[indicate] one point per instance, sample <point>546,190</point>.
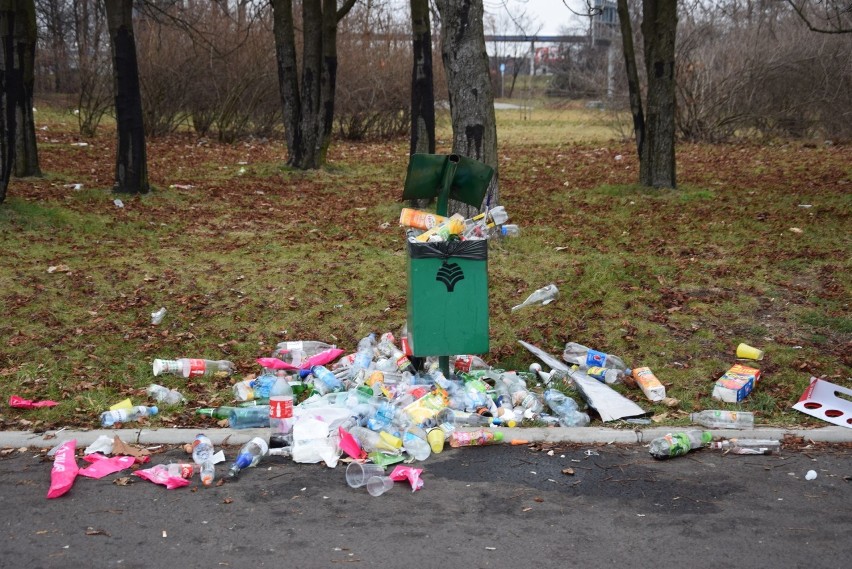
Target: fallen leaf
<point>537,499</point>
<point>228,500</point>
<point>93,531</point>
<point>123,481</point>
<point>119,447</point>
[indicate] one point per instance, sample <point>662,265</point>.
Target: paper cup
<point>357,473</point>
<point>749,353</point>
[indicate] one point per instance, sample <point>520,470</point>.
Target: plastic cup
<point>436,439</point>
<point>747,352</point>
<point>357,473</point>
<point>378,485</point>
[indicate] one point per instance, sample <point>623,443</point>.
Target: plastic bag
<point>159,474</point>
<point>103,466</point>
<point>403,472</point>
<point>64,470</point>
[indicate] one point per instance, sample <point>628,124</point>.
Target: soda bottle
<point>202,449</point>
<point>281,420</point>
<point>388,349</point>
<point>479,437</point>
<point>584,357</point>
<point>192,367</point>
<point>677,444</point>
<point>716,419</point>
<point>566,409</point>
<point>249,456</point>
<point>110,418</point>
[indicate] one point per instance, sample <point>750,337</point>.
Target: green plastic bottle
<point>677,444</point>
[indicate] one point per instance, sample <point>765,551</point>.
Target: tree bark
<point>657,158</point>
<point>26,150</point>
<point>470,91</point>
<point>422,84</point>
<point>633,86</point>
<point>131,170</point>
<point>311,77</point>
<point>288,79</point>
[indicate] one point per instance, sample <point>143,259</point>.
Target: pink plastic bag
<point>103,466</point>
<point>320,359</point>
<point>403,472</point>
<point>350,444</point>
<point>64,469</point>
<point>159,474</point>
<point>21,403</point>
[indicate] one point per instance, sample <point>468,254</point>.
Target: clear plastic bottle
<point>294,353</point>
<point>363,359</point>
<point>249,455</point>
<point>416,445</point>
<point>202,449</point>
<point>110,418</point>
<point>193,367</point>
<point>508,230</point>
<point>249,417</point>
<point>479,437</point>
<point>584,357</point>
<point>748,446</point>
<point>542,296</point>
<point>165,395</point>
<point>372,441</point>
<point>566,409</point>
<point>400,361</point>
<point>206,471</point>
<point>330,382</point>
<point>521,396</point>
<point>677,444</point>
<point>717,419</point>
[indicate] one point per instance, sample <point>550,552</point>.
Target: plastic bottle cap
<point>498,436</point>
<point>153,410</point>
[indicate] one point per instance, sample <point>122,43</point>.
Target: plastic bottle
<point>281,420</point>
<point>110,418</point>
<point>363,359</point>
<point>249,456</point>
<point>330,382</point>
<point>496,215</point>
<point>416,445</point>
<point>748,446</point>
<point>192,367</point>
<point>372,441</point>
<point>216,412</point>
<point>508,230</point>
<point>542,296</point>
<point>478,437</point>
<point>387,348</point>
<point>584,357</point>
<point>419,219</point>
<point>202,449</point>
<point>677,444</point>
<point>165,395</point>
<point>467,363</point>
<point>716,419</point>
<point>566,409</point>
<point>249,417</point>
<point>206,471</point>
<point>441,232</point>
<point>157,316</point>
<point>294,353</point>
<point>606,375</point>
<point>521,396</point>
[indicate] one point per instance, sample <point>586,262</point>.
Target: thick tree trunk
<point>422,85</point>
<point>10,92</point>
<point>26,150</point>
<point>131,170</point>
<point>288,79</point>
<point>311,77</point>
<point>471,95</point>
<point>657,158</point>
<point>633,86</point>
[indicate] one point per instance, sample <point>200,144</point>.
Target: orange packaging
<point>650,385</point>
<point>419,219</point>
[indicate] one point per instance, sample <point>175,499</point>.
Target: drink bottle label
<point>297,345</point>
<point>595,358</point>
<point>597,372</point>
<point>281,407</point>
<point>185,470</point>
<point>405,345</point>
<point>463,363</point>
<point>402,362</point>
<point>196,367</point>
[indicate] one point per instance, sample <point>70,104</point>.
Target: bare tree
<point>825,16</point>
<point>26,151</point>
<point>131,167</point>
<point>422,86</point>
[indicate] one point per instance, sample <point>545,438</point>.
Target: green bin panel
<point>447,301</point>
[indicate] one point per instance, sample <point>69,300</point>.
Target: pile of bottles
<point>425,227</point>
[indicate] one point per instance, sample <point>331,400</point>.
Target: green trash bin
<point>448,298</point>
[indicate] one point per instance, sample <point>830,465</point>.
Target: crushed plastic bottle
<point>295,352</point>
<point>542,296</point>
<point>718,419</point>
<point>202,449</point>
<point>678,444</point>
<point>193,367</point>
<point>566,409</point>
<point>748,446</point>
<point>157,316</point>
<point>165,395</point>
<point>110,418</point>
<point>249,455</point>
<point>585,357</point>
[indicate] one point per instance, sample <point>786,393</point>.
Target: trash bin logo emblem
<point>450,274</point>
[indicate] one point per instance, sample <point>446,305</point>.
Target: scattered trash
<point>102,445</point>
<point>159,474</point>
<point>111,418</point>
<point>21,403</point>
<point>811,475</point>
<point>402,473</point>
<point>717,419</point>
<point>378,485</point>
<point>747,446</point>
<point>193,367</point>
<point>157,317</point>
<point>747,352</point>
<point>248,456</point>
<point>735,384</point>
<point>478,437</point>
<point>164,395</point>
<point>118,203</point>
<point>101,465</point>
<point>827,401</point>
<point>64,470</point>
<point>542,296</point>
<point>649,384</point>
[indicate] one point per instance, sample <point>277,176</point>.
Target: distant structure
<point>604,24</point>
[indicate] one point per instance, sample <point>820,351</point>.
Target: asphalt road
<point>503,506</point>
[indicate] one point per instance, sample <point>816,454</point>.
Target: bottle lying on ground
<point>193,367</point>
<point>110,418</point>
<point>677,444</point>
<point>748,446</point>
<point>717,419</point>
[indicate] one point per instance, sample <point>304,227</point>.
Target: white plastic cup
<point>378,485</point>
<point>357,473</point>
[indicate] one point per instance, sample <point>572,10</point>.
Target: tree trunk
<point>471,95</point>
<point>131,170</point>
<point>26,150</point>
<point>288,80</point>
<point>633,87</point>
<point>657,158</point>
<point>422,85</point>
<point>311,77</point>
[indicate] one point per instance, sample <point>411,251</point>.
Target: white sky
<point>552,15</point>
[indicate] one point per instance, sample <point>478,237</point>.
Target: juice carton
<point>735,384</point>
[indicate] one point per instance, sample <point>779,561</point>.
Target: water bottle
<point>748,446</point>
<point>202,449</point>
<point>677,444</point>
<point>416,446</point>
<point>363,359</point>
<point>249,456</point>
<point>508,230</point>
<point>330,382</point>
<point>716,419</point>
<point>584,357</point>
<point>165,395</point>
<point>372,441</point>
<point>388,349</point>
<point>191,367</point>
<point>206,471</point>
<point>294,353</point>
<point>249,417</point>
<point>479,437</point>
<point>110,418</point>
<point>566,409</point>
<point>521,396</point>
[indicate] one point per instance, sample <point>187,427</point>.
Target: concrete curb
<point>579,435</point>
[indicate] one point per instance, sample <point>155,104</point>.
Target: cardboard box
<point>650,385</point>
<point>736,384</point>
<point>828,402</point>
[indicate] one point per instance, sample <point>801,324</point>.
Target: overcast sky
<point>551,15</point>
